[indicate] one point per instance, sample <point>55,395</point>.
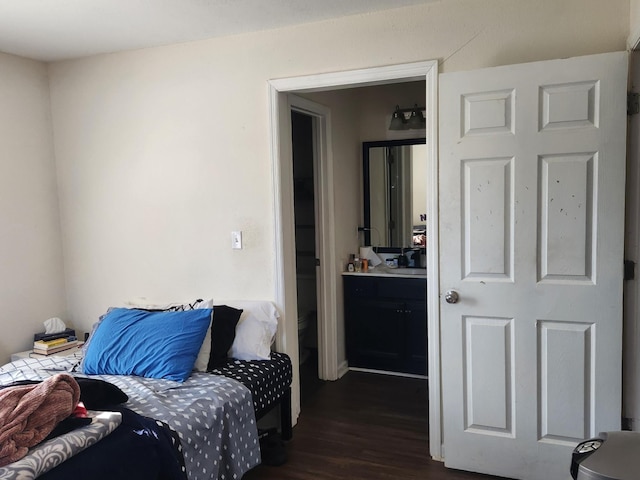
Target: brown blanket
<point>29,413</point>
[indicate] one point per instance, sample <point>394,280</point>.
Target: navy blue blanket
<point>141,448</point>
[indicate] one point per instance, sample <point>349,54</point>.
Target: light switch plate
<point>236,240</point>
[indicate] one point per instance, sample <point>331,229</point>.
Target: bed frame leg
<point>285,416</point>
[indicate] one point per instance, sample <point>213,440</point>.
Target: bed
<point>213,410</point>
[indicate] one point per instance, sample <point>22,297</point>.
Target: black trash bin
<point>610,456</point>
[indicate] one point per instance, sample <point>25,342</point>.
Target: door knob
<point>451,296</point>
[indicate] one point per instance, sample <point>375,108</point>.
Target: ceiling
<point>51,30</point>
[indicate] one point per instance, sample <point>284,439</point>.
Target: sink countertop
<point>381,271</point>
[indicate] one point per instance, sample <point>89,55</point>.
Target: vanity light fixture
<point>400,121</point>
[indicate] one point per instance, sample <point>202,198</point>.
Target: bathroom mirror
<point>395,182</point>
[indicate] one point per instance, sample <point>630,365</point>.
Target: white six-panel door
<point>532,163</point>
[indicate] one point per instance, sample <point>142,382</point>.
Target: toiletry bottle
<point>357,264</point>
<point>365,265</point>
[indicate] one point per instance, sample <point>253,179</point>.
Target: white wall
<point>32,280</point>
<point>376,104</point>
<point>162,152</point>
<point>368,113</point>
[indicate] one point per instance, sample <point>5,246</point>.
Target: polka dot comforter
<point>268,380</point>
<point>212,414</point>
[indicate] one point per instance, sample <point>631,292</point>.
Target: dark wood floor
<point>363,426</point>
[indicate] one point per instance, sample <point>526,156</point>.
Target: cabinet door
<point>416,348</point>
<point>376,334</point>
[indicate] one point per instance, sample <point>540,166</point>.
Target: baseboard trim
<point>385,372</point>
<point>343,368</point>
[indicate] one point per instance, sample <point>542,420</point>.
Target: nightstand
<point>30,354</point>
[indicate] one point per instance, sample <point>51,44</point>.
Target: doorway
<point>303,146</point>
<point>331,361</point>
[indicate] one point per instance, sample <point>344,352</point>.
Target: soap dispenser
<point>403,261</point>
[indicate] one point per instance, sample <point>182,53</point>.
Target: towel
<point>29,413</point>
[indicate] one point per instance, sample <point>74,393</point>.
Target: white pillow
<point>202,360</point>
<point>255,331</point>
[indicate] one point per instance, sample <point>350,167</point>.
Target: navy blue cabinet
<point>386,323</point>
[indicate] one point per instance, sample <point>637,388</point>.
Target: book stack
<point>67,332</point>
<point>49,347</point>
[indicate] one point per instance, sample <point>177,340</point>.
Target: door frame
<point>325,235</point>
<point>284,235</point>
<point>631,296</point>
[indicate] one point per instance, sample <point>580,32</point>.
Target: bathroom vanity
<point>385,308</point>
<point>386,320</point>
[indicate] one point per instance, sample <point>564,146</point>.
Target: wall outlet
<point>236,240</point>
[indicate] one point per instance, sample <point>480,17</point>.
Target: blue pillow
<point>147,344</point>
